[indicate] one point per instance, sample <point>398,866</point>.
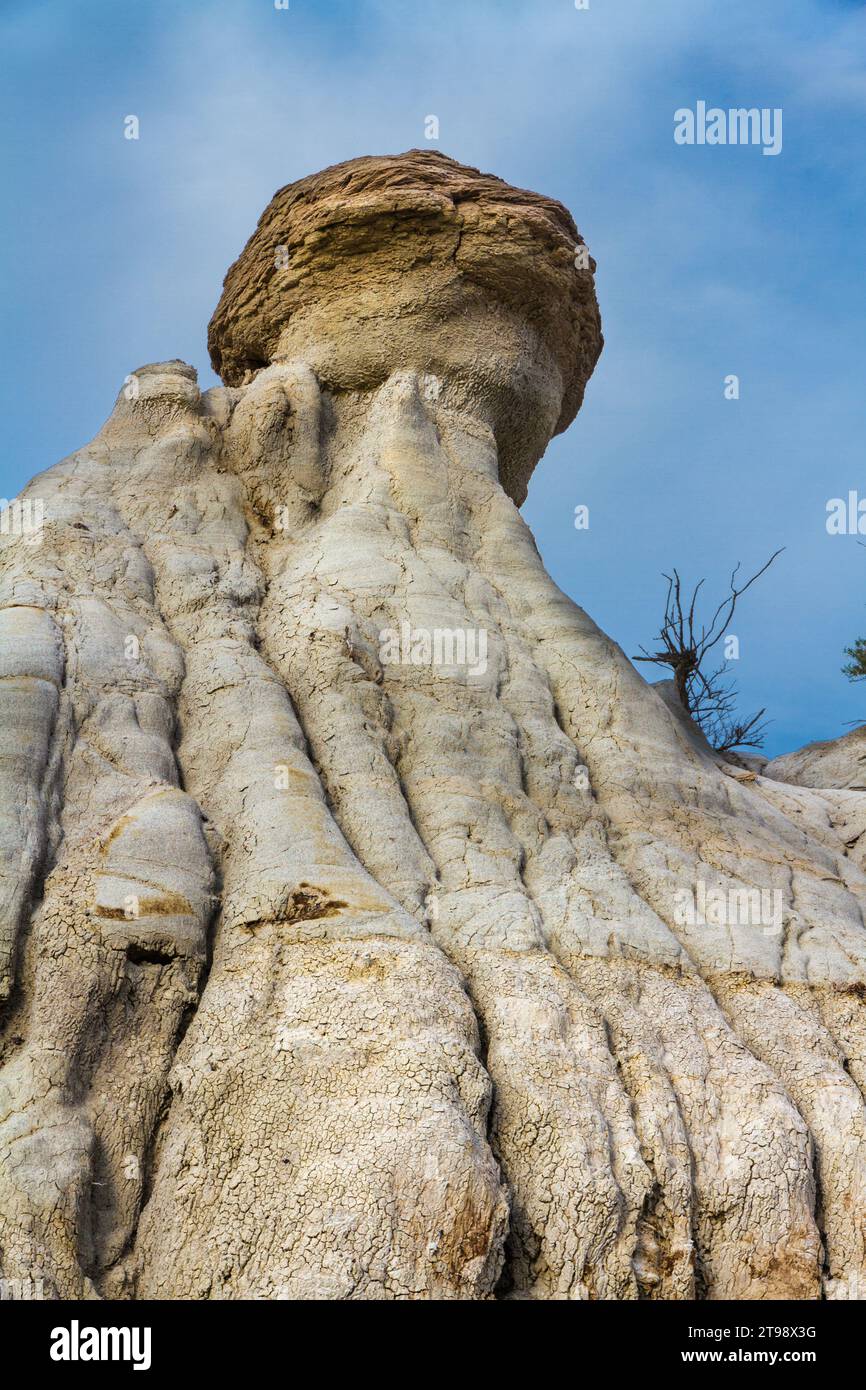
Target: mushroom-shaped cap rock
<point>416,261</point>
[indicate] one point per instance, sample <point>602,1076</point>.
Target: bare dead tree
<point>709,698</point>
<point>855,668</point>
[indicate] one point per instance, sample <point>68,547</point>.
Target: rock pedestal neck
<point>368,927</point>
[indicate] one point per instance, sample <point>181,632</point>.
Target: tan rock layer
<point>443,269</point>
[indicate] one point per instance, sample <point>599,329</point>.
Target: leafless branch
<point>684,647</point>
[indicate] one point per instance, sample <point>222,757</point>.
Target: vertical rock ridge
<point>128,879</point>
<point>322,950</point>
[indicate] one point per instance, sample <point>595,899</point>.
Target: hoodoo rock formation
<point>335,964</point>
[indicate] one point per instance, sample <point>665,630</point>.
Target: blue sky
<point>711,260</point>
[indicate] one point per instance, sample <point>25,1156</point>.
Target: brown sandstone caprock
<point>417,262</point>
<point>334,970</point>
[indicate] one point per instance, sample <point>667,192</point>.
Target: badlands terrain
<point>351,938</point>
